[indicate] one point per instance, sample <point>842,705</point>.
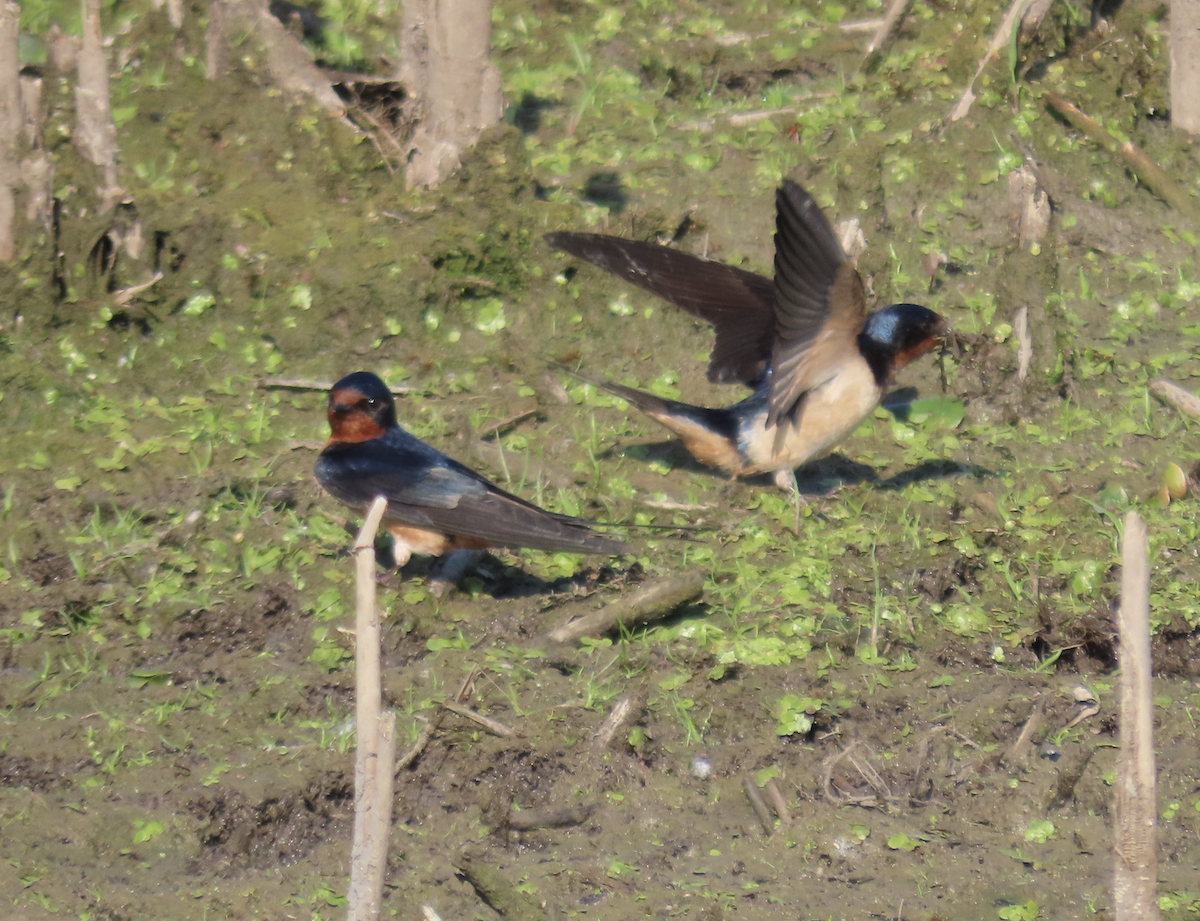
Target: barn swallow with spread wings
<point>818,363</point>
<point>435,504</point>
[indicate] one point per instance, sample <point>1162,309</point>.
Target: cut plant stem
<point>10,123</point>
<point>370,790</point>
<point>95,134</point>
<point>1135,881</point>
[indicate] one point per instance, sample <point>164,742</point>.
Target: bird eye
<point>371,401</point>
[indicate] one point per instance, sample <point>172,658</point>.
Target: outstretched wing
<point>819,303</point>
<point>738,304</point>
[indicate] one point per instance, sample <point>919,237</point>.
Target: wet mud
<point>920,684</point>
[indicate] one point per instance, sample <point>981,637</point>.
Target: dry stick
<point>885,35</point>
<point>1136,873</point>
<point>861,25</point>
<point>499,891</point>
<point>502,426</point>
<point>778,803</point>
<point>1183,400</point>
<point>366,883</point>
<point>1014,754</point>
<point>125,295</point>
<point>624,714</point>
<point>491,725</point>
<point>999,40</point>
<point>435,722</point>
<point>1149,172</point>
<point>531,819</point>
<point>758,804</point>
<point>651,601</point>
<point>287,383</point>
<point>419,746</point>
<point>1024,343</point>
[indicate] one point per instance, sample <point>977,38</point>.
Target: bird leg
<point>402,552</point>
<point>453,569</point>
<point>786,480</point>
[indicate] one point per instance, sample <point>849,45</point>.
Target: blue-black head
<point>899,334</point>
<point>360,408</point>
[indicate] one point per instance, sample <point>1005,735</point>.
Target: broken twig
<point>758,804</point>
<point>1146,170</point>
<point>529,819</point>
<point>885,35</point>
<point>624,714</point>
<point>646,604</point>
<point>501,893</point>
<point>491,725</point>
<point>1024,343</point>
<point>1183,400</point>
<point>125,295</point>
<point>283,383</point>
<point>435,721</point>
<point>1003,34</point>
<point>778,803</point>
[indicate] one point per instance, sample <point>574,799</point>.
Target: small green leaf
<point>141,677</point>
<point>1026,912</point>
<point>491,319</point>
<point>1039,831</point>
<point>793,715</point>
<point>902,842</point>
<point>701,163</point>
<point>198,303</point>
<point>933,412</point>
<point>146,830</point>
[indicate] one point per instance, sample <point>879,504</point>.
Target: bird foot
<point>454,568</point>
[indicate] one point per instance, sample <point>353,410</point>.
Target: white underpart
<point>829,414</point>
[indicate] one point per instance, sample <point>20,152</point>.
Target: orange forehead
<point>346,396</point>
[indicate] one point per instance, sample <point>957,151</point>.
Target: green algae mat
<point>922,680</point>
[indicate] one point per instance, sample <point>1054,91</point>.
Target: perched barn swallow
<point>435,504</point>
<point>817,362</point>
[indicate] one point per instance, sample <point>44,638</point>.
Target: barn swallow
<point>818,363</point>
<point>435,504</point>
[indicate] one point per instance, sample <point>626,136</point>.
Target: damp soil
<point>925,673</point>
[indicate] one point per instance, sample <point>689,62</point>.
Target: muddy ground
<point>926,673</point>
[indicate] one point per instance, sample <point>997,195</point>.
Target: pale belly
<point>830,413</point>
